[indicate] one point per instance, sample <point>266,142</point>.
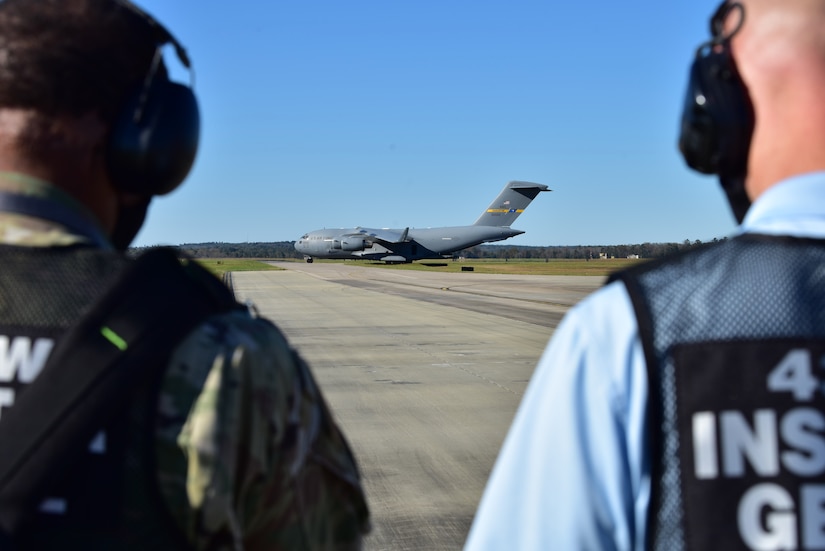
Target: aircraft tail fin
<point>511,202</point>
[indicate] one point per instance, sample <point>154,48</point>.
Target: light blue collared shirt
<point>574,471</point>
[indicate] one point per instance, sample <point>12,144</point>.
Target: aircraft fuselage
<point>424,243</point>
<point>395,245</point>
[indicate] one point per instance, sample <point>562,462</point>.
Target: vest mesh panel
<point>747,288</point>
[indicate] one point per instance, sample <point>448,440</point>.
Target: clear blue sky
<point>395,113</point>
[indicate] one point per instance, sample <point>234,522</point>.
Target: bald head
<point>780,54</point>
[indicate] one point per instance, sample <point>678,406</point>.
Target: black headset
<point>154,138</point>
<point>718,119</point>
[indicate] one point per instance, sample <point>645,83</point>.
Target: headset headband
<point>163,35</point>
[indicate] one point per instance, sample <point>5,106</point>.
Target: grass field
<point>519,267</point>
<point>483,266</point>
<point>220,266</point>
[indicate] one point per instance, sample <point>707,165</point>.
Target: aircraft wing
<point>384,236</point>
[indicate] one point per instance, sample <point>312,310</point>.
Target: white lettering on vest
<point>704,445</point>
<point>98,443</point>
<point>20,357</point>
<point>768,514</point>
<point>801,429</point>
<point>794,374</point>
<point>779,529</point>
<point>54,506</point>
<point>777,453</point>
<point>813,516</point>
<point>759,446</point>
<point>6,399</point>
<point>767,518</point>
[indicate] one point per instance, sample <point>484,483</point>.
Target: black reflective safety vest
<point>734,340</point>
<point>110,499</point>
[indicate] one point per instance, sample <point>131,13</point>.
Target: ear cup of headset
<point>718,119</point>
<point>155,138</point>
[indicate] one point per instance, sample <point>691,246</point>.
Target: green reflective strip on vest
<point>114,338</point>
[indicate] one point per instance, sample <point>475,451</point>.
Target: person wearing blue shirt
<point>681,406</point>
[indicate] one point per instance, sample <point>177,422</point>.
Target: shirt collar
<point>795,206</point>
<point>46,215</point>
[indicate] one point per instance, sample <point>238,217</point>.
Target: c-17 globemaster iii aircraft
<point>396,246</point>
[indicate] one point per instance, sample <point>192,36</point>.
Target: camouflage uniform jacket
<point>248,455</point>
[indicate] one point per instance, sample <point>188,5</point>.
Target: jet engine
<point>351,244</point>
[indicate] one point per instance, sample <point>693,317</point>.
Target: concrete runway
<point>423,371</point>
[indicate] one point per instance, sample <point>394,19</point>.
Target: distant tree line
<point>285,249</point>
<point>275,250</point>
<point>644,250</point>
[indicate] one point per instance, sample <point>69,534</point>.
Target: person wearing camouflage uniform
<point>242,451</point>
